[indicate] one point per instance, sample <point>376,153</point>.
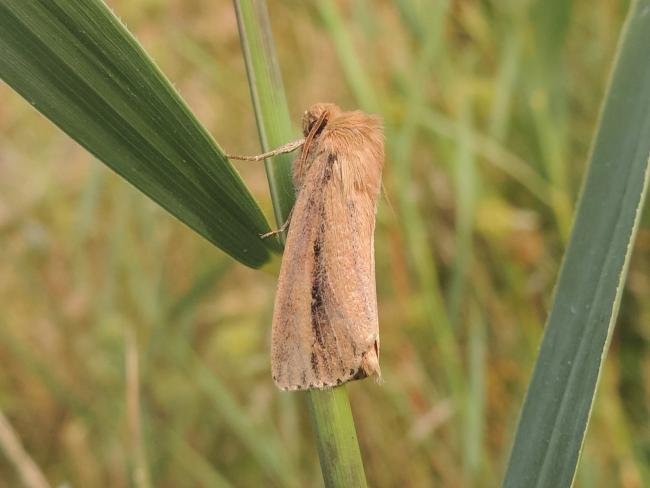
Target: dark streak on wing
<point>327,172</point>
<point>319,317</point>
<point>318,313</point>
<point>314,362</point>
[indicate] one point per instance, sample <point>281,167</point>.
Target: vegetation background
<point>134,353</point>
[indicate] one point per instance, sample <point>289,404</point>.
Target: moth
<point>325,328</point>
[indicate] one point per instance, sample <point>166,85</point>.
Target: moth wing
<point>325,325</point>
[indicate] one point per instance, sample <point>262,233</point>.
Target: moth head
<point>316,112</point>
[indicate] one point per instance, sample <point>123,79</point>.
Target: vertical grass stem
<point>330,410</point>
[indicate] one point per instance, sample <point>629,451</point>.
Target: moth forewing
<point>325,323</point>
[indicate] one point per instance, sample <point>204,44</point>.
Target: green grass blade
<point>467,183</point>
<point>548,100</point>
<point>507,75</point>
<point>475,401</point>
<point>263,446</point>
<point>559,400</point>
<point>79,66</point>
<point>351,65</point>
<point>551,20</point>
<point>195,466</point>
<point>330,410</point>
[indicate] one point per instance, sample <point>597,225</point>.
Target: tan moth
<point>325,325</point>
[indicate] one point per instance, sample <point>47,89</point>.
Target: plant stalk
<point>331,415</point>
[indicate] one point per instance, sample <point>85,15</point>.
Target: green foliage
<point>559,401</point>
<point>488,108</point>
<point>76,63</point>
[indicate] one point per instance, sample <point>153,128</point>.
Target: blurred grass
<point>553,421</point>
<point>486,153</point>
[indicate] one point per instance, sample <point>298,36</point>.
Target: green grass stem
<point>331,415</point>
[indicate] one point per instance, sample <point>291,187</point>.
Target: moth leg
<point>280,230</point>
<point>286,148</point>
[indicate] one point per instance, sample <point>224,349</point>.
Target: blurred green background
<point>133,353</point>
